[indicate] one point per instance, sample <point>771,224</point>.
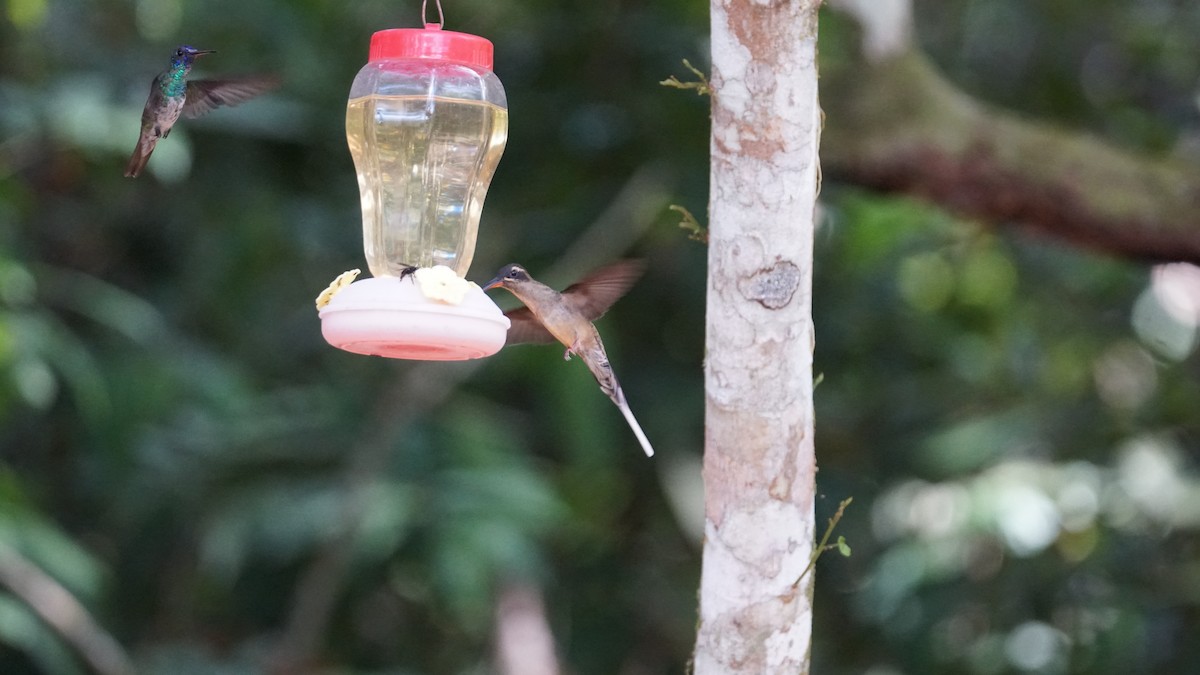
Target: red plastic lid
<point>431,43</point>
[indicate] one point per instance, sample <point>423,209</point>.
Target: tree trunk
<point>759,465</point>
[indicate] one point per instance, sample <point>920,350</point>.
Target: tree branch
<point>897,125</point>
<point>62,612</point>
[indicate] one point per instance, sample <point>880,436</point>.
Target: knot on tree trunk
<point>772,287</point>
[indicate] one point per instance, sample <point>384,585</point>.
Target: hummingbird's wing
<point>595,293</point>
<point>589,297</point>
<point>526,328</point>
<point>204,95</point>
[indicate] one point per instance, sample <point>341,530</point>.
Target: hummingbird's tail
<point>597,362</point>
<point>141,155</point>
<point>623,406</point>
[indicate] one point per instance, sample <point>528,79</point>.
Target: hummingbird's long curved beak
<point>202,52</point>
<point>497,281</point>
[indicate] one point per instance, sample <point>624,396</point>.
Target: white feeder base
<point>390,317</point>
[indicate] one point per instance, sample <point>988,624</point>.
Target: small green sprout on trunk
<point>700,84</point>
<point>696,231</point>
<point>841,545</point>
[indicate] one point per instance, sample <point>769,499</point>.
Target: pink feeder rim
<point>390,317</point>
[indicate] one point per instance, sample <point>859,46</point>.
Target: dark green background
<point>1015,419</point>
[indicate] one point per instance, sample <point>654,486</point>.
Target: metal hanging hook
<point>441,17</point>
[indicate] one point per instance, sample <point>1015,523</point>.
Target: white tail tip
<point>623,406</point>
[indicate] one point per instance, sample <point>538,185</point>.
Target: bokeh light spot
<point>988,279</point>
<point>35,382</point>
<point>1125,376</point>
<point>1166,315</point>
<point>926,281</point>
<point>26,14</point>
<point>158,19</point>
<point>1149,473</point>
<point>1159,329</point>
<point>1034,646</point>
<point>1079,497</point>
<point>1177,288</point>
<point>1027,519</point>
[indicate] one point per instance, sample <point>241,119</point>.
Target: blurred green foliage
<point>1015,420</point>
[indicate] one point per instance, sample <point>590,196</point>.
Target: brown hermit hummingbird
<point>567,317</point>
<point>171,94</point>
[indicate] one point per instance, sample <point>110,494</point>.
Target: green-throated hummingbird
<point>171,94</point>
<point>567,317</point>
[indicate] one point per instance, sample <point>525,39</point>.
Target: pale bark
<point>524,642</point>
<point>759,465</point>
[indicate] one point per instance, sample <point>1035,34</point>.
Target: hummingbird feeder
<point>426,123</point>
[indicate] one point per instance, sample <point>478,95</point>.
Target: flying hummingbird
<point>567,317</point>
<point>171,94</point>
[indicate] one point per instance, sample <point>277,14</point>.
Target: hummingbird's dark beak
<point>498,281</point>
<point>202,52</point>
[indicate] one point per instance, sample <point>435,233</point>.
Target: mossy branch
<point>900,125</point>
<point>700,84</point>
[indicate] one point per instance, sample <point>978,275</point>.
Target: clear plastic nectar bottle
<point>426,123</point>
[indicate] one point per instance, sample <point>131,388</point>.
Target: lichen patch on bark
<point>774,286</point>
